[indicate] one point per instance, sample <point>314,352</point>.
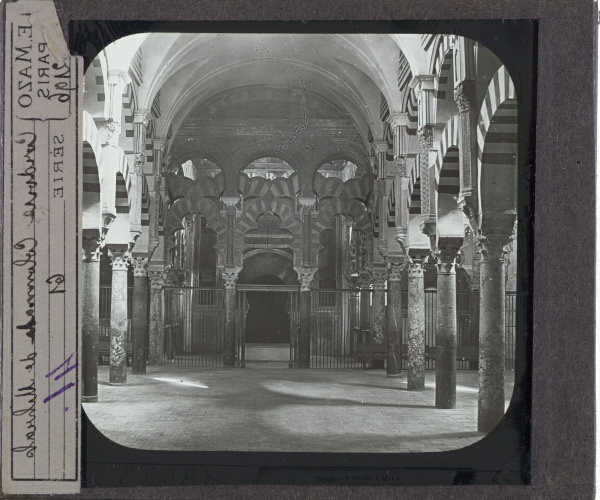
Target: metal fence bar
<point>194,326</point>
<point>510,318</point>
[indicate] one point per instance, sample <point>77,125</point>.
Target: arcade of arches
<point>245,187</point>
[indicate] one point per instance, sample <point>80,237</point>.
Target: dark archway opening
<point>267,320</point>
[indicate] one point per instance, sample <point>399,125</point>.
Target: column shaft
<point>304,340</point>
<point>230,276</point>
<point>90,320</point>
<point>416,327</point>
<point>491,336</point>
<point>139,323</point>
<point>118,323</point>
<point>394,323</point>
<point>229,343</point>
<point>378,308</point>
<point>156,335</point>
<point>445,339</point>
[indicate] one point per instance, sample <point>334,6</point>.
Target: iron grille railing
<point>194,326</point>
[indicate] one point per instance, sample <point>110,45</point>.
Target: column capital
<point>159,144</point>
<point>402,166</point>
<point>308,202</point>
<point>422,81</point>
<point>380,146</point>
<point>117,77</point>
<point>92,245</point>
<point>119,256</point>
<point>397,119</point>
<point>465,95</point>
<point>138,163</point>
<point>395,269</point>
<point>113,132</point>
<point>492,246</point>
<point>380,276</point>
<point>230,276</point>
<point>140,266</point>
<point>447,252</point>
<point>415,268</point>
<point>141,116</point>
<point>364,279</point>
<point>157,279</point>
<point>305,277</point>
<point>426,133</point>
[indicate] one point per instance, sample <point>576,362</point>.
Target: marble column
<point>90,321</point>
<point>378,309</point>
<point>394,322</point>
<point>305,276</point>
<point>445,339</point>
<point>139,318</point>
<point>364,283</point>
<point>475,292</point>
<point>156,334</point>
<point>416,325</point>
<point>230,276</point>
<point>491,331</point>
<point>118,315</point>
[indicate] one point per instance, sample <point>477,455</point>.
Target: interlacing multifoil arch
<point>407,141</point>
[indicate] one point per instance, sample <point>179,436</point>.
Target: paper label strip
<point>41,334</point>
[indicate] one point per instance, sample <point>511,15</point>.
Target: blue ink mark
<point>68,368</point>
<point>60,391</point>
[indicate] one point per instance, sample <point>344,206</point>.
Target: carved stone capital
<point>230,276</point>
<point>380,147</point>
<point>141,116</point>
<point>159,144</point>
<point>157,182</point>
<point>364,279</point>
<point>92,245</point>
<point>140,266</point>
<point>415,268</point>
<point>402,166</point>
<point>157,279</point>
<point>113,132</point>
<point>465,95</point>
<point>380,276</point>
<point>305,277</point>
<point>395,268</point>
<point>492,246</point>
<point>426,134</point>
<point>138,163</point>
<point>119,257</point>
<point>397,119</point>
<point>447,252</point>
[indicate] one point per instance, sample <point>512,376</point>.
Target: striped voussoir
<point>447,167</point>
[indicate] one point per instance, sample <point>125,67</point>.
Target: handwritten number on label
<point>56,281</point>
<point>67,368</point>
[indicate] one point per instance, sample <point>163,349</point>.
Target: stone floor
<point>268,407</point>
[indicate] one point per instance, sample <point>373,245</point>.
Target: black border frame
<point>501,457</point>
